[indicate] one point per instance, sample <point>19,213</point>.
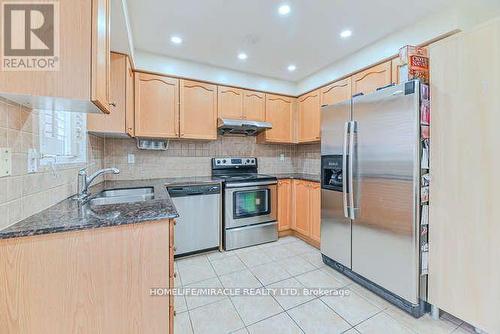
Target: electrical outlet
<point>32,160</point>
<point>5,161</point>
<point>131,158</point>
<point>282,157</point>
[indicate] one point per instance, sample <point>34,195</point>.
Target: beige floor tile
<point>228,265</point>
<point>338,276</point>
<point>299,247</point>
<point>278,324</point>
<point>373,298</point>
<point>241,279</point>
<point>383,324</point>
<point>352,307</point>
<point>254,257</point>
<point>216,255</point>
<point>278,252</point>
<point>465,328</point>
<point>195,269</point>
<point>182,324</point>
<point>202,298</point>
<point>315,317</point>
<point>314,258</point>
<point>296,265</point>
<point>318,279</point>
<point>216,318</point>
<point>255,308</point>
<point>351,331</point>
<point>423,325</point>
<point>270,273</point>
<point>180,304</point>
<point>241,331</point>
<point>287,300</point>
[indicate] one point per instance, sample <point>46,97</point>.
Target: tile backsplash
<point>193,158</point>
<point>23,194</point>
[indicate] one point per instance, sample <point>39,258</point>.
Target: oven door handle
<point>250,184</point>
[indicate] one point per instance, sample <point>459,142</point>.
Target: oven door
<point>250,205</point>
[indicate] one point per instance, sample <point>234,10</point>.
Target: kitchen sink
<point>120,196</point>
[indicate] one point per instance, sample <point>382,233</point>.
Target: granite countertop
<point>69,215</point>
<point>299,176</point>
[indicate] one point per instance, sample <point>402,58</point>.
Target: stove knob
<point>218,162</point>
<point>224,161</point>
<point>248,161</point>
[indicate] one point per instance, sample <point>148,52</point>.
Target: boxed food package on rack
<point>417,61</point>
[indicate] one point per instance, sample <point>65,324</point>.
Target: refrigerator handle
<point>345,172</point>
<point>350,172</point>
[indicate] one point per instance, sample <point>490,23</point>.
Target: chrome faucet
<point>85,181</point>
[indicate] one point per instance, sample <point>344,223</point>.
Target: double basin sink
<point>122,196</point>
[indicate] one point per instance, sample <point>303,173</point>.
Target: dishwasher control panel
<point>193,190</point>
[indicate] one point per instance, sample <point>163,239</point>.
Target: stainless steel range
<point>250,202</point>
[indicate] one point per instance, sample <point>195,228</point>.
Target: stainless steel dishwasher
<point>198,227</point>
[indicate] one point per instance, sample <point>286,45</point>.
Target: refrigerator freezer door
<point>335,227</point>
<point>385,229</point>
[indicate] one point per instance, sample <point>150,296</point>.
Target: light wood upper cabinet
<point>230,102</point>
<point>369,80</point>
<point>336,92</point>
<point>156,106</point>
<point>301,220</point>
<point>129,100</point>
<point>81,83</point>
<point>315,213</point>
<point>279,112</point>
<point>101,54</point>
<point>284,204</point>
<point>254,105</point>
<point>198,110</point>
<point>115,123</point>
<point>309,117</point>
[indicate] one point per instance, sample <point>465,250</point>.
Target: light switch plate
<point>5,161</point>
<point>32,160</point>
<point>282,157</point>
<point>131,158</point>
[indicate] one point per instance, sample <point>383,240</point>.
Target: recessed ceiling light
<point>284,10</point>
<point>176,39</point>
<point>291,68</point>
<point>346,33</point>
<point>242,56</point>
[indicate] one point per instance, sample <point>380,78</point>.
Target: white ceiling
<point>214,31</point>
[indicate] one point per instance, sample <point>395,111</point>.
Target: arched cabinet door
<point>198,110</point>
<point>156,106</point>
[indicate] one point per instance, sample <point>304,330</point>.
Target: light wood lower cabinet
<point>198,110</point>
<point>284,204</point>
<point>156,106</point>
<point>309,117</point>
<point>119,121</point>
<point>369,80</point>
<point>81,81</point>
<point>299,208</point>
<point>89,281</point>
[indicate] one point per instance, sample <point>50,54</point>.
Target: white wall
<point>462,15</point>
<point>184,68</point>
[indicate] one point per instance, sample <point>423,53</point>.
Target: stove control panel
<point>234,162</point>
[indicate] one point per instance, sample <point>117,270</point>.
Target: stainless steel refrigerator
<point>370,199</point>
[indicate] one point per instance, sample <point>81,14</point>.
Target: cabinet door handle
<point>113,104</point>
<point>175,274</point>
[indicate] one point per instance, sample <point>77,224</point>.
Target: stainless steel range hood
<point>241,127</point>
